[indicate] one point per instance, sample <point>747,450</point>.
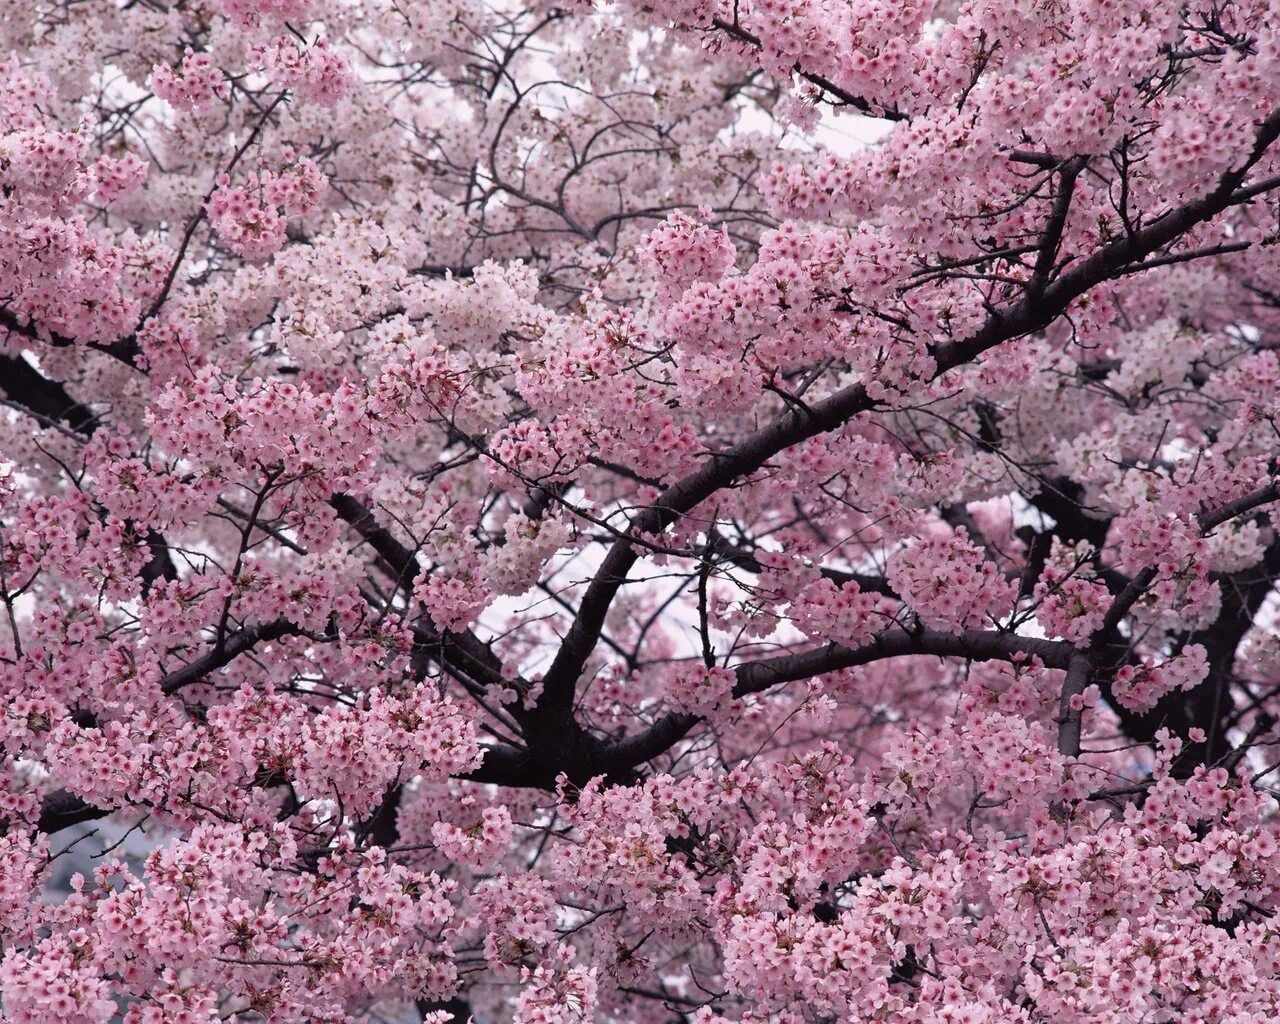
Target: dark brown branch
<point>1069,717</point>
<point>859,103</point>
<point>49,403</point>
<point>48,400</point>
<point>758,676</point>
<point>461,651</point>
<point>721,547</point>
<point>972,645</point>
<point>225,653</point>
<point>1245,503</point>
<point>124,350</point>
<point>1033,313</point>
<point>61,809</point>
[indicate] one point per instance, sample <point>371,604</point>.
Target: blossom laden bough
<point>507,513</point>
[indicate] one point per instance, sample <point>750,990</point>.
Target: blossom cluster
<point>544,512</point>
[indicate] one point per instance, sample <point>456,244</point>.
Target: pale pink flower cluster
<point>198,913</point>
<point>1073,609</point>
<point>949,584</point>
<point>479,845</point>
<point>248,13</point>
<point>520,913</point>
<point>684,250</point>
<point>355,753</point>
<point>117,177</point>
<point>51,986</point>
<point>244,222</point>
<point>213,418</point>
<point>1070,604</point>
<point>841,614</point>
<point>21,877</point>
<point>317,72</point>
<point>397,489</point>
<point>47,163</point>
<point>698,689</point>
<point>1140,687</point>
<point>622,855</point>
<point>197,85</point>
<point>529,544</point>
<point>556,996</point>
<point>251,218</point>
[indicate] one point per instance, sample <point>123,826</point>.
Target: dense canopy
<point>710,511</point>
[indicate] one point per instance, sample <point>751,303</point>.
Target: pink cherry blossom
<point>197,85</point>
<point>756,512</point>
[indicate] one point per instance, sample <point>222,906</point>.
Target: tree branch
<point>1034,312</point>
<point>758,676</point>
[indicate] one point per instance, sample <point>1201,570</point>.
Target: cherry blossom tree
<point>669,510</point>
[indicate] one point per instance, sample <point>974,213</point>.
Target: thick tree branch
<point>859,103</point>
<point>758,676</point>
<point>238,643</point>
<point>1036,311</point>
<point>48,400</point>
<point>461,651</point>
